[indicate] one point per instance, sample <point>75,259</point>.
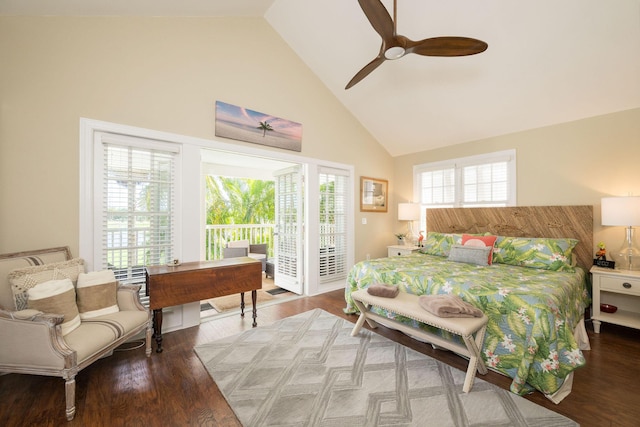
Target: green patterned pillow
<point>440,243</point>
<point>535,252</point>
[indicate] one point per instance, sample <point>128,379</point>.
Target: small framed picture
<point>373,194</point>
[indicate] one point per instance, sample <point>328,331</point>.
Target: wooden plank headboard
<point>523,221</point>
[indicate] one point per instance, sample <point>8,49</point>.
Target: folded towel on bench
<point>385,291</point>
<point>448,306</point>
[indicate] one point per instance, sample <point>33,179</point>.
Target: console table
<point>196,281</point>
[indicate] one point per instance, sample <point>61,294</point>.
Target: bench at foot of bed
<point>471,329</point>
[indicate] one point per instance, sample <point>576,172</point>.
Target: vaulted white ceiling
<point>548,61</point>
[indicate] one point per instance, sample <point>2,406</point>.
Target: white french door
<point>289,229</point>
<point>333,210</point>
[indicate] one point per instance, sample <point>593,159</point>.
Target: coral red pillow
<point>470,240</point>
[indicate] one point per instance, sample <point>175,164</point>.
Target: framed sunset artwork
<point>242,124</point>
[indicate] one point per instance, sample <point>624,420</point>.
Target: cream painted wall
<point>575,163</point>
<point>157,73</point>
<point>166,74</point>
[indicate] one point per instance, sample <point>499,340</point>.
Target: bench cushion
<point>407,305</point>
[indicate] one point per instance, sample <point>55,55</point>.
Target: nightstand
<point>620,288</point>
<point>399,250</point>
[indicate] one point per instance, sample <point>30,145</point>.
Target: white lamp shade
<point>621,211</point>
<point>408,211</point>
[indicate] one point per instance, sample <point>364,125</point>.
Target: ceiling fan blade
<point>366,70</point>
<point>446,46</point>
<point>379,17</point>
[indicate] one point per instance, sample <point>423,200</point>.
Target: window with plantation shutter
<point>138,222</point>
<point>483,180</point>
<point>333,224</point>
<point>485,184</point>
<point>437,187</point>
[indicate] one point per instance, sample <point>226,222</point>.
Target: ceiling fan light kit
<point>395,46</point>
<point>395,52</point>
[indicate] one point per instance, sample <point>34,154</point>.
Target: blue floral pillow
<point>535,252</point>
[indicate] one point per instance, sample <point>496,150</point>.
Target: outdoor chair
<point>240,248</point>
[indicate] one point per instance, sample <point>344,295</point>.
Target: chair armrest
<point>129,298</point>
<point>32,340</point>
<point>28,314</point>
<point>260,248</point>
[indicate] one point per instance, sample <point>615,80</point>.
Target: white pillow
<point>97,294</point>
<point>238,244</point>
<point>56,297</point>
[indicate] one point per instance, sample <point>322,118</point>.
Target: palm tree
<point>239,201</point>
<point>265,126</point>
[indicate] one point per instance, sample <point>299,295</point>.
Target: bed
<point>533,288</point>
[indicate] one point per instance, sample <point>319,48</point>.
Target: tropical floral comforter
<point>532,312</point>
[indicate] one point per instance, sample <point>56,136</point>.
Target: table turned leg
<point>157,328</point>
<point>254,298</point>
<point>242,304</point>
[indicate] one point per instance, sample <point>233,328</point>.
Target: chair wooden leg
<point>70,395</point>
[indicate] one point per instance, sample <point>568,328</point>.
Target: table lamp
<point>624,211</point>
<point>409,212</point>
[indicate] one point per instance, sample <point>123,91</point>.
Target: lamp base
<point>410,236</point>
<point>628,257</point>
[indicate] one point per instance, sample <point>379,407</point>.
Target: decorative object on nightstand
<point>616,297</point>
<point>401,237</point>
<point>399,250</point>
<point>608,308</point>
<point>409,212</point>
<point>601,257</point>
<point>624,211</point>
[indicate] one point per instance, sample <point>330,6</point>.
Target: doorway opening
<point>244,215</point>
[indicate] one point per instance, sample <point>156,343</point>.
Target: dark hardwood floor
<point>173,388</point>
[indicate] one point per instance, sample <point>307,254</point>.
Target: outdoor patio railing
<point>219,235</point>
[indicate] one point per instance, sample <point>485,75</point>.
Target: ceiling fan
<point>395,46</point>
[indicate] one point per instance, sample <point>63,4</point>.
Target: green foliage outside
<point>239,201</point>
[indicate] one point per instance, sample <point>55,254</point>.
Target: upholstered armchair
<point>241,248</point>
<point>92,316</point>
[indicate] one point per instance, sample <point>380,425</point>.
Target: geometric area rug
<point>307,370</point>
